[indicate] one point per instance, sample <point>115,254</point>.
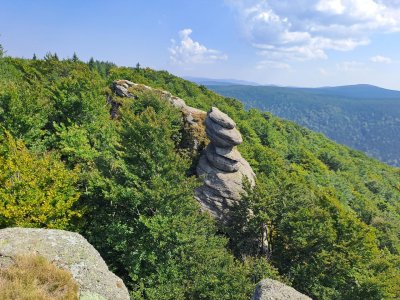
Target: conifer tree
<point>91,63</point>
<point>2,52</point>
<point>75,57</point>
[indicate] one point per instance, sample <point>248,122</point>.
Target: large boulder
<point>269,289</point>
<point>69,251</point>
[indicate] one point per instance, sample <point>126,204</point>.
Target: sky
<point>306,43</point>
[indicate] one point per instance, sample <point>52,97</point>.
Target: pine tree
<point>91,63</point>
<point>75,57</point>
<point>34,56</point>
<point>138,66</point>
<point>2,52</point>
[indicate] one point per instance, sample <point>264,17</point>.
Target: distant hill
<point>362,91</point>
<point>211,81</point>
<point>364,117</point>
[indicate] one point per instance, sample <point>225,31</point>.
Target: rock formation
<point>222,166</point>
<point>69,251</point>
<point>269,289</point>
<point>121,87</point>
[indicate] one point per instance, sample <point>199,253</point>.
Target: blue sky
<point>282,42</point>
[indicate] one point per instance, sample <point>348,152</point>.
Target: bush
<point>35,190</point>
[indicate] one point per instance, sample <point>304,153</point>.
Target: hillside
<point>362,117</point>
<point>323,218</point>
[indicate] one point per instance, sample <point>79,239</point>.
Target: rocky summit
<point>222,167</point>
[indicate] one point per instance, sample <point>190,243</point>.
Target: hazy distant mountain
<point>363,91</point>
<point>364,117</point>
<point>211,81</point>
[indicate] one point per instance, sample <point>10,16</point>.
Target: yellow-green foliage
<point>32,277</point>
<point>35,190</point>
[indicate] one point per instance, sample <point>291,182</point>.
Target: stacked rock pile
<point>222,166</point>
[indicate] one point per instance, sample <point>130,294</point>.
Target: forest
<point>331,213</point>
<point>363,117</point>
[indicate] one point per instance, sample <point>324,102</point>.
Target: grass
<point>32,277</point>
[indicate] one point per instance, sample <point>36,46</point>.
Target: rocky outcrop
<point>69,251</point>
<point>121,87</point>
<point>222,167</point>
<point>194,138</point>
<point>269,289</point>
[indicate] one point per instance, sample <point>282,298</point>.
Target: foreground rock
<point>222,167</point>
<point>69,251</point>
<point>269,289</point>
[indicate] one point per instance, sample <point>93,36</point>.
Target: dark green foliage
<point>323,215</point>
<point>102,67</point>
<point>331,183</point>
<point>166,249</point>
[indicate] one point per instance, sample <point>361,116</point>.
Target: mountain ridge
<point>350,115</point>
<point>223,81</point>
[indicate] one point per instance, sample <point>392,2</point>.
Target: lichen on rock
<point>269,289</point>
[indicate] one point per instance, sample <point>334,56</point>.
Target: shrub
<point>35,190</point>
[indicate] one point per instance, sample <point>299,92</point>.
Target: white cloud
<point>380,59</point>
<point>350,66</point>
<point>270,64</point>
<point>335,7</point>
<point>188,51</point>
<point>307,29</point>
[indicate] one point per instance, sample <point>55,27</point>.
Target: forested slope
<point>331,214</point>
<point>362,117</point>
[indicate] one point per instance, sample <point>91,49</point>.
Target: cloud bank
<point>297,30</point>
<point>188,51</point>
